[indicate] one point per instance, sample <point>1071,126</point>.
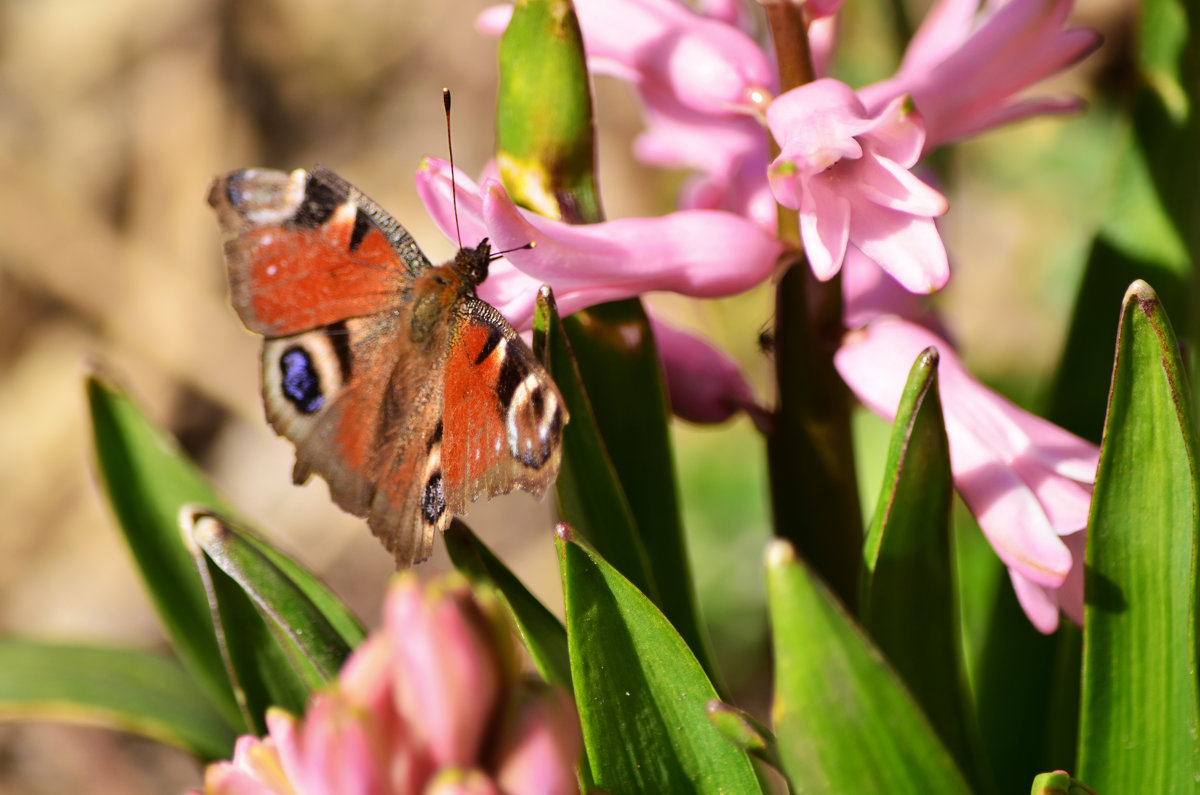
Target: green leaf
<point>1140,731</point>
<point>147,481</point>
<point>544,131</point>
<point>310,640</point>
<point>132,691</point>
<point>589,494</point>
<point>642,695</point>
<point>541,632</point>
<point>617,357</point>
<point>843,721</point>
<point>909,604</point>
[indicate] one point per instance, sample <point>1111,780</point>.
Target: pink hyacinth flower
<point>700,253</point>
<point>964,68</point>
<point>432,702</point>
<point>1027,481</point>
<point>847,173</point>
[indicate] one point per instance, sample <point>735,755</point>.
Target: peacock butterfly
<point>401,388</point>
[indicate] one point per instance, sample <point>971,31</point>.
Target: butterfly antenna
<point>450,149</point>
<point>495,255</point>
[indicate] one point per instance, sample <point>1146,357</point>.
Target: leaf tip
<point>779,553</point>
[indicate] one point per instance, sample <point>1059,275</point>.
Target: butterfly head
<point>472,263</point>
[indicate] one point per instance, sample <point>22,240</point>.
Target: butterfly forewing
<point>306,250</point>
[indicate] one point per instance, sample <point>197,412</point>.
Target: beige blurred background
<point>115,115</point>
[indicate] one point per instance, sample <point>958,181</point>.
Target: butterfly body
<point>401,388</point>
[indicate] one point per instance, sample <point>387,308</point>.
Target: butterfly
<point>401,388</point>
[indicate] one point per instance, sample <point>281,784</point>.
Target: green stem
<point>814,492</point>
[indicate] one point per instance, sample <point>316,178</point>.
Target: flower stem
<point>814,492</point>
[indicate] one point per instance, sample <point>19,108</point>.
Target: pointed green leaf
<point>589,494</point>
<point>1140,731</point>
<point>541,632</point>
<point>307,636</point>
<point>843,721</point>
<point>642,695</point>
<point>909,604</point>
<point>129,690</point>
<point>147,480</point>
<point>544,129</point>
<point>617,358</point>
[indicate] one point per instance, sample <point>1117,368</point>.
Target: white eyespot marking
<point>265,200</point>
<point>345,214</point>
<point>271,269</point>
<point>530,423</point>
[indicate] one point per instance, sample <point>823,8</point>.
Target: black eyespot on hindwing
<point>433,500</point>
<point>301,385</point>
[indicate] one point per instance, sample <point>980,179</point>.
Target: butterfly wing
<point>307,250</point>
<point>502,414</point>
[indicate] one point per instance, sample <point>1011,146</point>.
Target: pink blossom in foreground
<point>431,702</point>
<point>1027,481</point>
<point>965,66</point>
<point>700,253</point>
<point>847,173</point>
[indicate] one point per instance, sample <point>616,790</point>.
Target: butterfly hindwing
<point>306,250</point>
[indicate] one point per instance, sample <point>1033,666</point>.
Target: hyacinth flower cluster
<point>848,165</point>
<point>432,702</point>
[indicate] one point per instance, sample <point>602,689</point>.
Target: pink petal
<point>890,185</point>
<point>695,252</point>
<point>447,673</point>
<point>1039,603</point>
<point>462,782</point>
<point>705,384</point>
<point>899,132</point>
<point>818,116</point>
<point>906,246</point>
<point>993,457</point>
<point>868,291</point>
<point>540,746</point>
<point>825,219</point>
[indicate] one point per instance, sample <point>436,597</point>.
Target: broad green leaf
<point>617,358</point>
<point>814,492</point>
<point>642,696</point>
<point>1139,721</point>
<point>843,720</point>
<point>133,691</point>
<point>909,605</point>
<point>310,640</point>
<point>147,481</point>
<point>544,128</point>
<point>542,633</point>
<point>257,664</point>
<point>589,493</point>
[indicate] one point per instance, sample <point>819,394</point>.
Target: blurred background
<point>114,116</point>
